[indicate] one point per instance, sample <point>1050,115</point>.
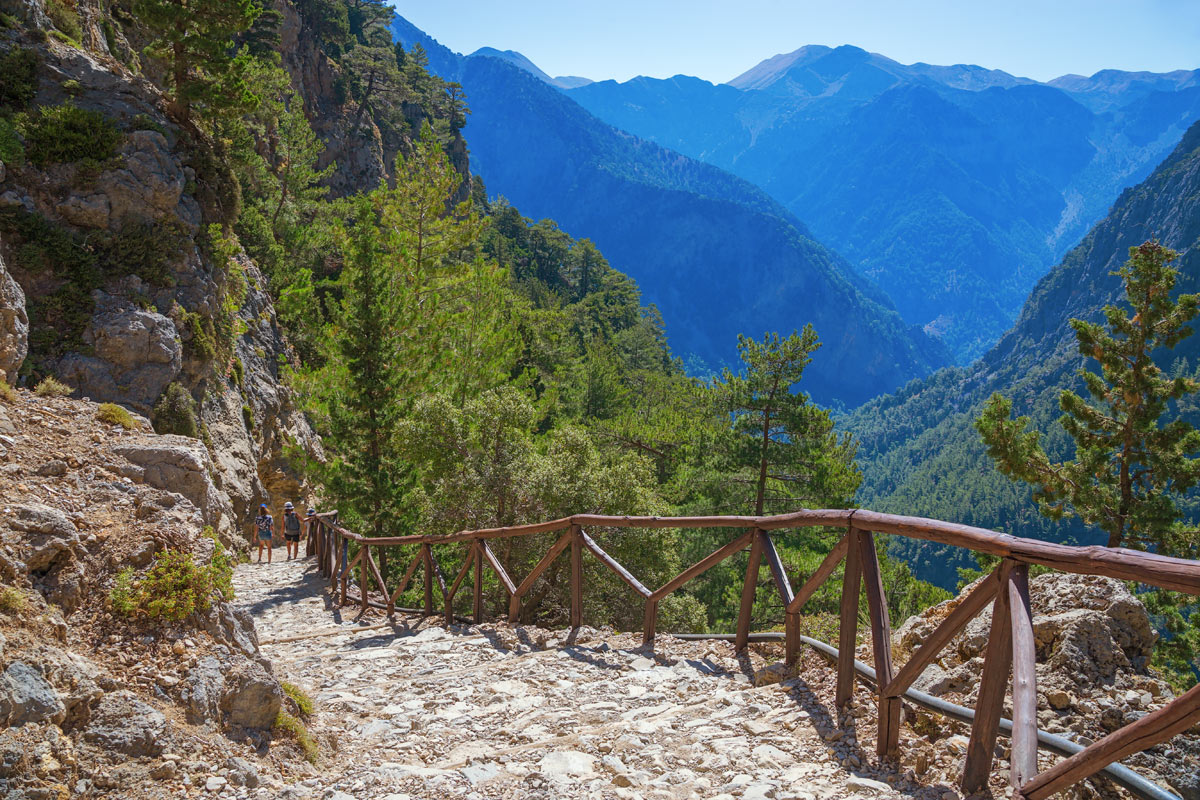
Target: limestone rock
<point>123,724</point>
<point>49,535</point>
<point>136,354</point>
<point>181,465</point>
<point>235,691</point>
<point>149,182</point>
<point>86,211</point>
<point>14,326</point>
<point>26,696</point>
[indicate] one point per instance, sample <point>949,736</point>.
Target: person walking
<point>264,526</point>
<point>291,530</point>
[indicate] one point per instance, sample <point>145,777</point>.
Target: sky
<point>717,41</point>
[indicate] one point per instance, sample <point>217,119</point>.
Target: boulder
<point>136,353</point>
<point>121,723</point>
<point>50,537</point>
<point>232,690</point>
<point>181,465</point>
<point>14,326</point>
<point>26,697</point>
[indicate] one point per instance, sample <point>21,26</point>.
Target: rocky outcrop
<point>1094,641</point>
<point>181,465</point>
<point>49,536</point>
<point>14,326</point>
<point>122,723</point>
<point>26,697</point>
<point>232,690</point>
<point>136,353</point>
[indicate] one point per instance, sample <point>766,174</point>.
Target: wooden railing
<point>1010,646</point>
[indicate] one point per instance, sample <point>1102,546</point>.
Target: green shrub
<point>72,87</point>
<point>52,387</point>
<point>12,151</point>
<point>18,77</point>
<point>237,370</point>
<point>113,414</point>
<point>248,416</point>
<point>7,393</point>
<point>9,21</point>
<point>67,133</point>
<point>122,596</point>
<point>146,249</point>
<point>175,587</point>
<point>14,601</point>
<point>66,19</point>
<point>144,122</point>
<point>289,725</point>
<point>175,412</point>
<point>304,703</point>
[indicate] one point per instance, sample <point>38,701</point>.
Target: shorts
<point>265,537</point>
<point>291,537</point>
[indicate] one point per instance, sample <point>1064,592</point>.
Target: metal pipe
<point>1119,774</point>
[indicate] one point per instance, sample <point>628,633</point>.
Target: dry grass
<point>52,387</point>
<point>7,393</point>
<point>113,414</point>
<point>294,728</point>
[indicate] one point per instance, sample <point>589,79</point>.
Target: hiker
<point>291,530</point>
<point>264,526</point>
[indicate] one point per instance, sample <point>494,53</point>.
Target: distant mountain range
<point>919,450</point>
<point>715,253</point>
<point>954,188</point>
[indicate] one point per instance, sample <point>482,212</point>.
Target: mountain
<point>955,188</point>
<point>521,62</point>
<point>919,450</point>
<point>716,254</point>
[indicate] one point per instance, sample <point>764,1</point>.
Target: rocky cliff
<point>119,278</point>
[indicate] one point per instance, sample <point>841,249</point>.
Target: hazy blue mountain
<point>919,450</point>
<point>953,187</point>
<point>520,61</point>
<point>715,253</point>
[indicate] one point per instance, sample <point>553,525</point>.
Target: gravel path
<point>409,709</point>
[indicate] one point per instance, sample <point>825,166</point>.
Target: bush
<point>52,387</point>
<point>66,19</point>
<point>18,77</point>
<point>304,703</point>
<point>175,587</point>
<point>175,412</point>
<point>248,416</point>
<point>7,393</point>
<point>12,151</point>
<point>113,414</point>
<point>13,601</point>
<point>294,728</point>
<point>67,133</point>
<point>146,249</point>
<point>237,370</point>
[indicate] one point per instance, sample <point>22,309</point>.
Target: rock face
<point>14,326</point>
<point>182,465</point>
<point>136,354</point>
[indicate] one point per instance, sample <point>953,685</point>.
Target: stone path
<point>414,710</point>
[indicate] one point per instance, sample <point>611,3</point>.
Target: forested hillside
<point>954,188</point>
<point>920,452</point>
<point>715,254</point>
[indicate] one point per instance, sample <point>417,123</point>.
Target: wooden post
<point>887,743</point>
<point>477,605</point>
<point>992,686</point>
<point>848,630</point>
<point>651,622</point>
<point>453,590</point>
<point>576,577</point>
<point>749,587</point>
<point>1023,760</point>
<point>427,560</point>
<point>362,574</point>
<point>345,570</point>
<point>514,602</point>
<point>791,636</point>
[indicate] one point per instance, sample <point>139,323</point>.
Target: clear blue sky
<point>717,40</point>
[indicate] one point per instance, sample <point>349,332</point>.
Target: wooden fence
<point>1009,651</point>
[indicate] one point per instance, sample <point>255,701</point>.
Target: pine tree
<point>787,448</point>
<point>1129,465</point>
<point>196,40</point>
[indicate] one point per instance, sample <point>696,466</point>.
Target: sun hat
<point>288,505</point>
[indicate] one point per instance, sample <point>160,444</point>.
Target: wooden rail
<point>1010,648</point>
